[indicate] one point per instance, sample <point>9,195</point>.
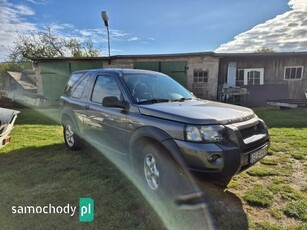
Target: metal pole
<point>109,45</point>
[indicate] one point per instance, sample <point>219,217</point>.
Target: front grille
<point>253,136</point>
<point>251,131</point>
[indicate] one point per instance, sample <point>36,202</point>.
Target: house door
<point>231,73</point>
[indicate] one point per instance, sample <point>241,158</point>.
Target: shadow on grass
<point>38,117</point>
<point>52,174</point>
<point>225,207</point>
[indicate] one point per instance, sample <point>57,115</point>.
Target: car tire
<point>173,193</point>
<point>72,140</point>
<point>222,181</point>
<point>158,170</point>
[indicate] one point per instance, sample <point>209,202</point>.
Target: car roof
<point>119,71</point>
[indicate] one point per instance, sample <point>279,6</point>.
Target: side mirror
<point>114,102</point>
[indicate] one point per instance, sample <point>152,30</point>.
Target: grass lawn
<point>273,192</point>
<point>37,169</point>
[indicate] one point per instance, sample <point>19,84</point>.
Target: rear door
<point>106,126</point>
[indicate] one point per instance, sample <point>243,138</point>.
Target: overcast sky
<point>172,26</point>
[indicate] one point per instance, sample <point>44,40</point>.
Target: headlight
<point>208,133</point>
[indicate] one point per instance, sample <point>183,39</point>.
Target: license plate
<point>259,154</point>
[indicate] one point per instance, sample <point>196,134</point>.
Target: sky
<point>159,27</point>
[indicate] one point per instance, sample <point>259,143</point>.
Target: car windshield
<point>150,88</point>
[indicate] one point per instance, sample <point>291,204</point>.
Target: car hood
<point>198,112</point>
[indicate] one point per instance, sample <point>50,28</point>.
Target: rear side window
<point>72,82</point>
<point>105,86</point>
<point>78,90</point>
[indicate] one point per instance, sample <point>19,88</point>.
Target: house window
<point>240,77</point>
<point>200,76</point>
<point>254,76</point>
<point>293,73</point>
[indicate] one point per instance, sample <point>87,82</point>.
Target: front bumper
<point>247,143</point>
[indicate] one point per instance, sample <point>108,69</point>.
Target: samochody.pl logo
<point>86,209</point>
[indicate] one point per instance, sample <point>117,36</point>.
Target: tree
<point>47,44</point>
<point>265,50</point>
<point>76,48</point>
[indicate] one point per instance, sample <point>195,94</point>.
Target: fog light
<point>215,159</point>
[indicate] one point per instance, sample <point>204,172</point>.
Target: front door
<point>106,126</point>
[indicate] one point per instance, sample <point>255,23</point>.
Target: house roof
<point>218,55</point>
<point>22,81</point>
<point>272,54</point>
<point>124,56</point>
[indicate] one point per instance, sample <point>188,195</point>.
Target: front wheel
<point>152,171</point>
<point>72,140</point>
<point>159,171</point>
<point>169,188</point>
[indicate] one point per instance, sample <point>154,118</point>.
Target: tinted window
<point>79,88</point>
<point>105,86</point>
<point>71,83</point>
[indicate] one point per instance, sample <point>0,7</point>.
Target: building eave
<point>272,54</point>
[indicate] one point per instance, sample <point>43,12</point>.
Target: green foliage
<point>267,226</point>
<point>302,226</point>
<point>234,184</point>
<point>262,171</point>
<point>47,44</point>
<point>297,209</point>
<point>298,155</point>
<point>259,196</point>
<point>265,50</point>
<point>276,213</point>
<point>286,191</point>
<point>304,189</point>
<point>269,161</point>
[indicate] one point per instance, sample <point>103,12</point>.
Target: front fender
<point>157,135</point>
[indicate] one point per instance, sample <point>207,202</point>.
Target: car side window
<point>79,89</point>
<point>105,86</point>
<point>72,82</point>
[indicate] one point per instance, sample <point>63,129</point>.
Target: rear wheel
<point>72,140</point>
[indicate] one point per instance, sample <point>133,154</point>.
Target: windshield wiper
<point>152,101</point>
